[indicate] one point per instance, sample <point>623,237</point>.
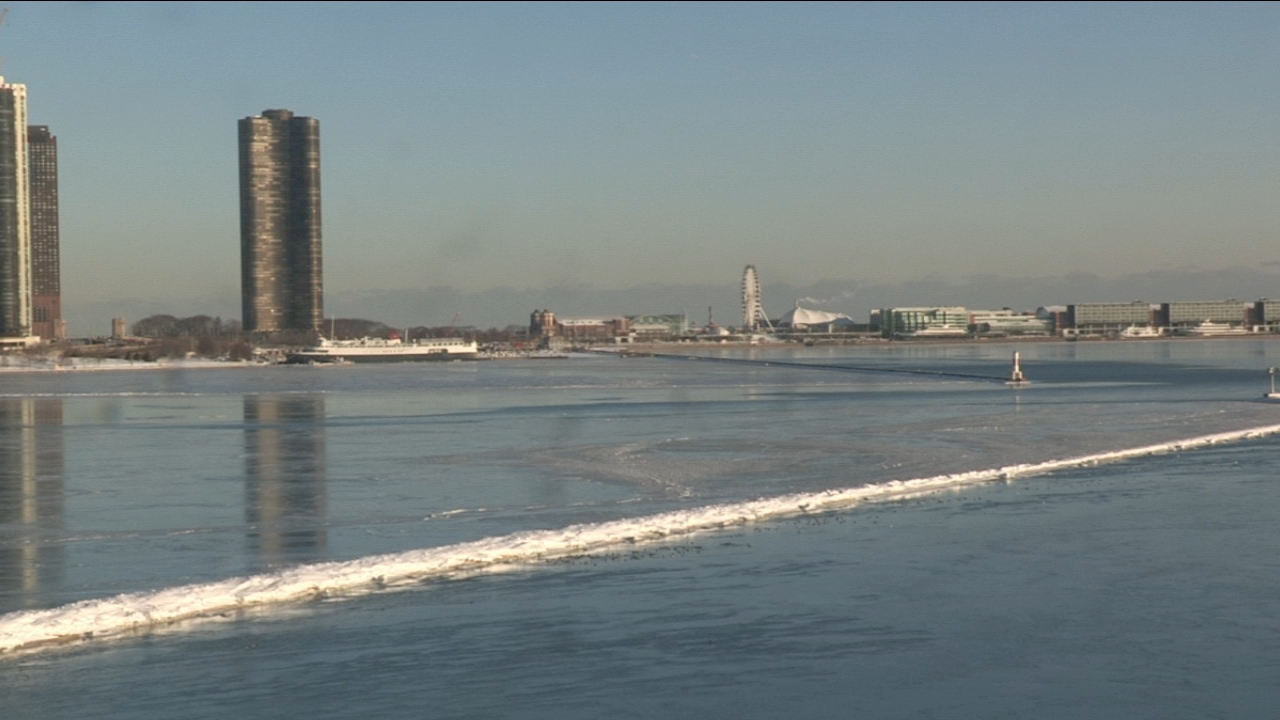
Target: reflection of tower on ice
<point>753,315</point>
<point>1016,377</point>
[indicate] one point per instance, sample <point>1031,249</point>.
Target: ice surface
<point>128,613</point>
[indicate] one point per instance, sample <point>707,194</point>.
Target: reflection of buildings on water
<point>284,477</point>
<point>31,499</point>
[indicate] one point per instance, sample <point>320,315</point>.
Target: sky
<point>481,160</point>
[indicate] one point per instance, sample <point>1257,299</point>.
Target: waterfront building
<point>1181,315</point>
<point>15,220</point>
<point>906,322</point>
<point>1057,318</point>
<point>542,324</point>
<point>1109,318</point>
<point>996,323</point>
<point>46,285</point>
<point>822,321</point>
<point>281,279</point>
<point>593,329</point>
<point>1008,322</point>
<point>646,328</point>
<point>1267,314</point>
<point>1255,315</point>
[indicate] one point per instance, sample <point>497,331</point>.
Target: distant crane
<point>453,322</point>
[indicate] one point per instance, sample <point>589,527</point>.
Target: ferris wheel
<point>753,315</point>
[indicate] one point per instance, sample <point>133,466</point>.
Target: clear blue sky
<point>543,146</point>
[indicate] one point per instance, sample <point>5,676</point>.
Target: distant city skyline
<point>495,154</point>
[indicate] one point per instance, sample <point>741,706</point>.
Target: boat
<point>1140,331</point>
<point>1208,328</point>
<point>392,349</point>
<point>937,331</point>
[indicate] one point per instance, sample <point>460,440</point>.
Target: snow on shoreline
<point>50,363</point>
<point>125,614</point>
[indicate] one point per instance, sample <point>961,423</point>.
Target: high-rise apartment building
<point>46,285</point>
<point>281,282</point>
<point>15,221</point>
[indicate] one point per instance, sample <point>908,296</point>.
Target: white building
<point>924,322</point>
<point>800,318</point>
<point>15,218</point>
<point>1008,322</point>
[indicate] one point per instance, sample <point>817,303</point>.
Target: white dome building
<point>799,318</point>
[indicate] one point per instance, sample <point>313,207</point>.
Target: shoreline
<point>60,365</point>
<point>932,342</point>
<point>47,364</point>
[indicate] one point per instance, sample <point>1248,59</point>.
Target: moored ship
<point>1208,328</point>
<point>393,349</point>
<point>1141,331</point>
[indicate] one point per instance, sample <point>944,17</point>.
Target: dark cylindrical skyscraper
<point>281,275</point>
